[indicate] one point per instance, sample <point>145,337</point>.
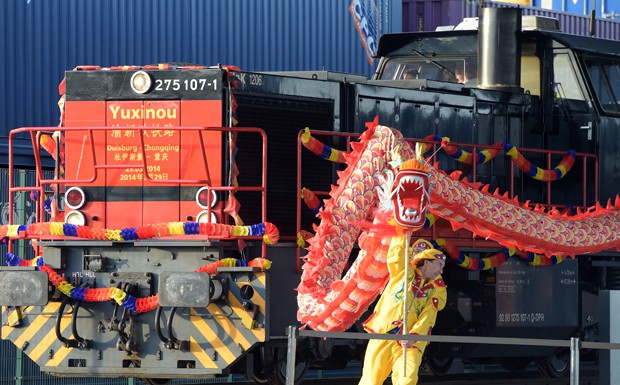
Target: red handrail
<point>41,183</point>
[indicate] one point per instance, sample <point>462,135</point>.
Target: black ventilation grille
<point>282,119</point>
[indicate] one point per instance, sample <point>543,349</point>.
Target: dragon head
<point>410,194</point>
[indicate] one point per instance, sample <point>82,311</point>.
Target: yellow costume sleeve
<point>428,316</point>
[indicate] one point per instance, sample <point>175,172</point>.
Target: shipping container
<point>41,39</point>
<point>427,15</point>
<point>606,9</point>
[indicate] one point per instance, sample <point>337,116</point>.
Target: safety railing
<point>100,164</point>
<point>574,344</point>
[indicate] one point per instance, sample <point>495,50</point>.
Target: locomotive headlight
<point>23,288</point>
<point>203,217</point>
<point>184,289</point>
<point>74,198</point>
<point>75,218</point>
<point>141,82</point>
<point>202,197</point>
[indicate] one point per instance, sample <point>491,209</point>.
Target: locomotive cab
<point>556,93</point>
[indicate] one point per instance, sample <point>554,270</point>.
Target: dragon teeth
<point>412,179</point>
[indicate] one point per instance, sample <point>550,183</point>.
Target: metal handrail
<point>41,183</point>
<point>575,344</point>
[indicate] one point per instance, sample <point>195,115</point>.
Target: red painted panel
<point>123,148</point>
<point>201,113</point>
<point>94,214</point>
<point>162,145</point>
<point>123,144</point>
<point>163,153</point>
<point>78,145</point>
<point>79,162</point>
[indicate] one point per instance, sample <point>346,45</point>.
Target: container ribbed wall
<point>573,23</point>
<point>40,39</point>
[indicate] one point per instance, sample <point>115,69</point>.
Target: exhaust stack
<point>499,49</point>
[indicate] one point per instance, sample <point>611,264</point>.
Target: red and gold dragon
<point>386,188</point>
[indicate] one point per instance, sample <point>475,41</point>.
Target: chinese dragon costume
<point>370,199</point>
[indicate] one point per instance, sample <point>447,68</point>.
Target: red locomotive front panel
<point>156,152</point>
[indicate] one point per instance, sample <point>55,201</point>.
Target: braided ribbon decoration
<point>261,263</point>
<point>267,230</point>
<point>462,156</point>
<point>312,201</point>
<point>497,259</point>
<point>536,172</point>
<point>321,149</point>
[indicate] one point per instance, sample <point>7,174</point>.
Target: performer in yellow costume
<point>426,297</point>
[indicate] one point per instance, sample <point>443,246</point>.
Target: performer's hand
<point>409,345</point>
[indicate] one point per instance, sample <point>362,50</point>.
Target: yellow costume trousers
<point>385,356</point>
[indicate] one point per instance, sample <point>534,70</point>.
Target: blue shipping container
<point>41,39</point>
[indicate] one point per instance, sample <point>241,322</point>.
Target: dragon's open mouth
<point>410,197</point>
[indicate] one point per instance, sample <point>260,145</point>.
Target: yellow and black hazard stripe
<point>224,332</point>
<point>218,335</point>
<point>36,335</point>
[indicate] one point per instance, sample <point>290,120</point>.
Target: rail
<point>588,188</point>
<point>42,185</point>
<point>574,344</point>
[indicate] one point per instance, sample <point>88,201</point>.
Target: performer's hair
<point>420,262</point>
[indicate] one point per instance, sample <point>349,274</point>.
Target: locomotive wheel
<point>280,377</point>
<point>438,366</point>
<point>264,365</point>
<point>556,366</point>
<point>260,378</point>
<point>273,367</point>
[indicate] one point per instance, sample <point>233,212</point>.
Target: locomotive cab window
<point>605,78</point>
<point>530,74</point>
<point>448,70</point>
<point>566,88</point>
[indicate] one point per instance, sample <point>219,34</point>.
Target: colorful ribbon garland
<point>495,260</point>
<point>321,149</point>
<point>261,263</point>
<point>312,201</point>
<point>460,155</point>
<point>138,305</point>
<point>267,230</point>
<point>536,172</point>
